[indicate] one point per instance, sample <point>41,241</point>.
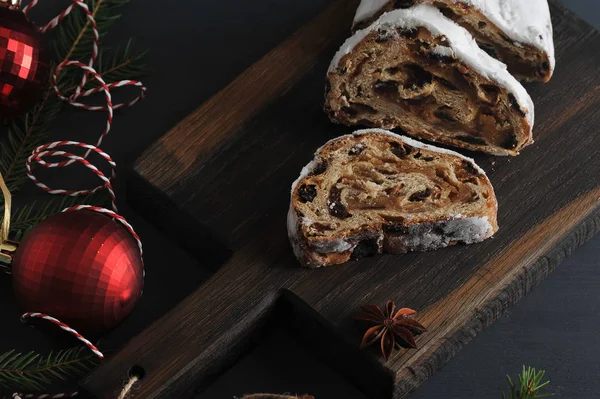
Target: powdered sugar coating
<point>526,21</point>
<point>368,8</point>
<point>460,44</point>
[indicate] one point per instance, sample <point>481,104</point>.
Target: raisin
<point>468,167</point>
<point>487,111</point>
<point>472,140</point>
<point>336,208</point>
<point>446,83</point>
<point>447,12</point>
<point>507,39</point>
<point>366,123</point>
<point>511,142</point>
<point>515,104</point>
<point>350,111</point>
<point>417,102</point>
<point>386,87</point>
<point>365,249</point>
<point>543,69</point>
<point>395,229</point>
<point>356,149</point>
<point>403,3</point>
<point>417,155</point>
<point>442,113</point>
<point>363,108</point>
<point>307,193</point>
<point>400,150</point>
<point>439,229</point>
<point>420,76</point>
<point>488,48</point>
<point>440,58</point>
<point>420,195</point>
<point>428,159</point>
<point>491,92</point>
<point>382,36</point>
<point>319,169</point>
<point>482,24</point>
<point>407,33</point>
<point>322,227</point>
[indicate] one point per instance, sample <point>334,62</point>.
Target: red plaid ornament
<point>24,64</point>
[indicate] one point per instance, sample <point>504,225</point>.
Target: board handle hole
<point>136,371</point>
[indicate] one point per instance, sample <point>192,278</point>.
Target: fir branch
<point>33,372</point>
<point>22,136</point>
<point>121,63</point>
<point>530,385</point>
<point>75,37</point>
<point>28,216</point>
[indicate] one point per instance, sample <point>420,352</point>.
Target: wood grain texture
<point>234,183</point>
<point>210,126</point>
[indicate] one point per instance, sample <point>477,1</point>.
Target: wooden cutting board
<point>219,183</point>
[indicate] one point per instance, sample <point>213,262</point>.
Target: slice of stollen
<point>418,70</point>
<point>517,32</point>
<point>374,191</point>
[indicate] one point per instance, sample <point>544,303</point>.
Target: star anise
<point>393,328</point>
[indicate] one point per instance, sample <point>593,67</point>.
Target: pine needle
<point>28,216</point>
<point>529,387</point>
<point>34,372</point>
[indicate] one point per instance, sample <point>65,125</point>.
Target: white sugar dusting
<point>368,8</point>
<point>460,41</point>
<point>526,21</point>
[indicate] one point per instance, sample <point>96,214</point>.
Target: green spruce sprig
<point>529,386</point>
<point>34,372</point>
<point>31,214</point>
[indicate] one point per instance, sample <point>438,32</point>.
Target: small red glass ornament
<point>24,64</point>
<point>81,267</point>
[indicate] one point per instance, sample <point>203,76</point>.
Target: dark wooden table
<point>555,327</point>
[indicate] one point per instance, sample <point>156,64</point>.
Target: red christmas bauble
<point>81,267</point>
<point>24,65</point>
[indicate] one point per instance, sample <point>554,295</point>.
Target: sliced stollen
<point>375,191</point>
<point>418,70</point>
<point>517,32</point>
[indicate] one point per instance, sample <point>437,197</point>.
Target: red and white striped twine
<point>31,315</point>
<point>44,395</point>
<point>55,150</point>
<point>63,326</point>
<point>118,218</point>
<point>49,150</point>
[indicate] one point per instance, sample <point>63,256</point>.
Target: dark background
<point>197,47</point>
